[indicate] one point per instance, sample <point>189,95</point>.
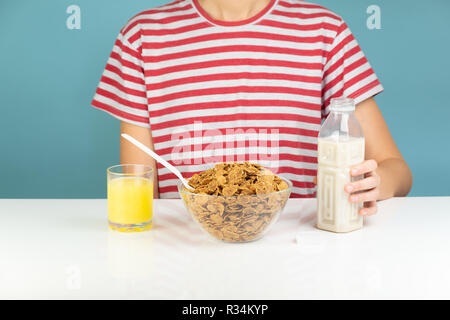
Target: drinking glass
<point>130,197</point>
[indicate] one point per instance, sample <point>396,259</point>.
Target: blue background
<point>54,145</point>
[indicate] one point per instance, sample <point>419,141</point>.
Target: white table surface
<point>63,249</point>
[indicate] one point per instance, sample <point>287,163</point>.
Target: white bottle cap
<point>342,104</point>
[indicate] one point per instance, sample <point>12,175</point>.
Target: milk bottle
<point>341,146</point>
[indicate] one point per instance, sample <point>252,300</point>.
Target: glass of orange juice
<point>130,197</point>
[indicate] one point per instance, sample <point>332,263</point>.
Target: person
<point>208,81</point>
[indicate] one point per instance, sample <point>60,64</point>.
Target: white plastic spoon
<point>152,154</point>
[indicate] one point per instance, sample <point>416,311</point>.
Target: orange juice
<point>130,203</point>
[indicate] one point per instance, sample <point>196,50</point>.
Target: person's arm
<point>386,172</point>
<point>129,153</point>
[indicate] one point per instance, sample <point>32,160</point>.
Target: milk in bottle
<point>341,146</point>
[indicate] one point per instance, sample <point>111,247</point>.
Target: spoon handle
<point>159,159</point>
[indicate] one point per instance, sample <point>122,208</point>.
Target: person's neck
<point>233,10</point>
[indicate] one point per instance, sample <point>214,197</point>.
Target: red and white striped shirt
<point>253,90</point>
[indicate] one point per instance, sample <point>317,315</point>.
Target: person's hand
<point>367,189</point>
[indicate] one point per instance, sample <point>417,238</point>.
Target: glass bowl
<point>237,218</point>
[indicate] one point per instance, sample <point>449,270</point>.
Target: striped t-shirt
<point>254,90</point>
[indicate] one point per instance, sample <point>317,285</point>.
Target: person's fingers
<point>365,167</point>
<point>315,180</point>
<point>371,195</point>
<point>372,181</point>
<point>370,208</point>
